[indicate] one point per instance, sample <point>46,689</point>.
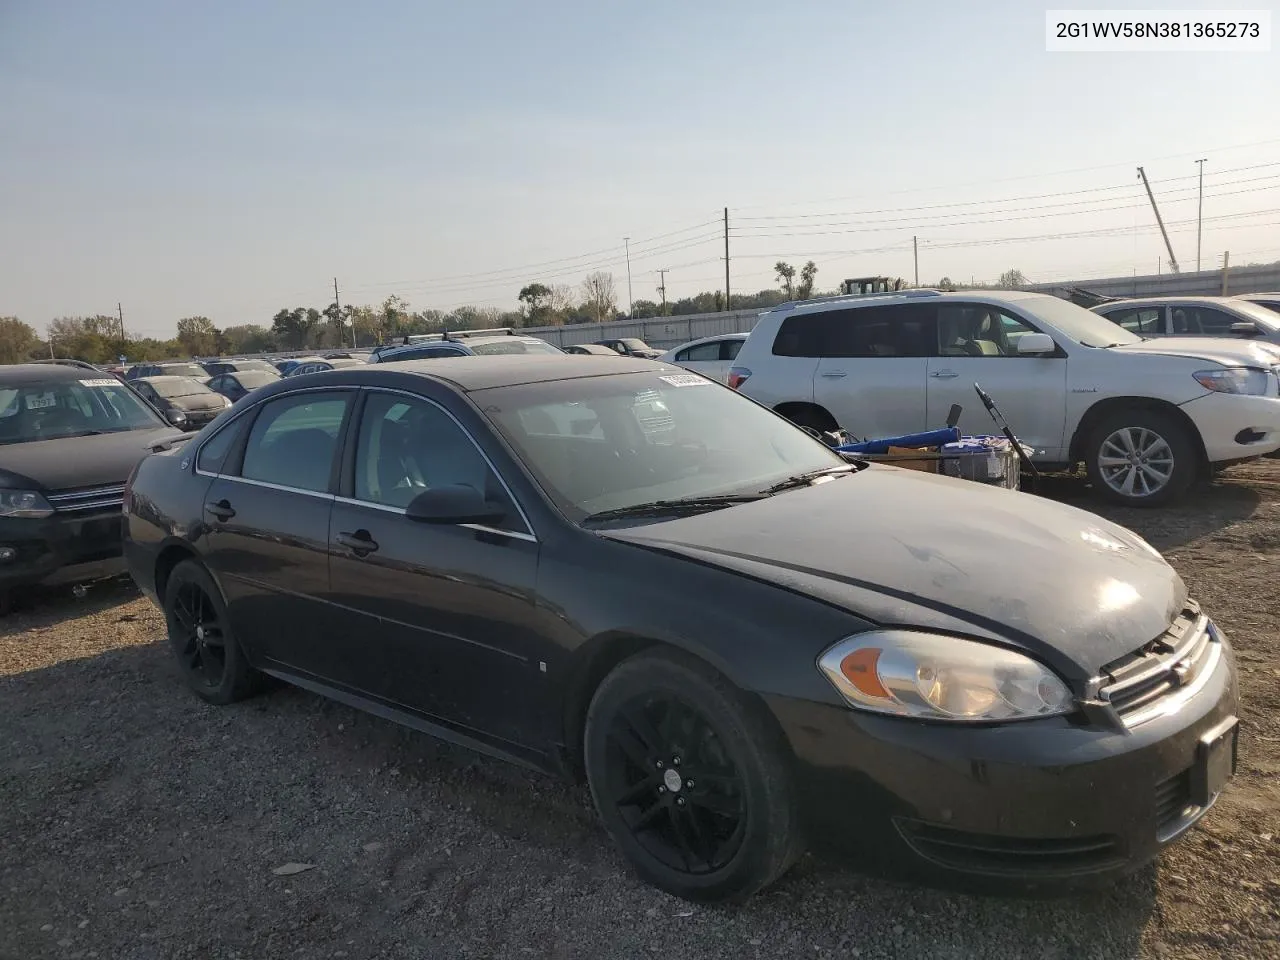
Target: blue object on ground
<point>930,438</point>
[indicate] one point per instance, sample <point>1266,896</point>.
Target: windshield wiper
<point>663,508</point>
<point>804,479</point>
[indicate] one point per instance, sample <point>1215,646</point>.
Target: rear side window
<point>1147,321</point>
<point>703,351</point>
<point>1203,321</point>
<point>213,455</point>
<point>294,439</point>
<point>729,349</point>
<point>893,330</point>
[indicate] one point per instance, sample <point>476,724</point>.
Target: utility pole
<point>631,304</point>
<point>120,314</point>
<point>1173,261</point>
<point>662,288</point>
<point>337,315</point>
<point>1200,211</point>
<point>915,252</point>
<point>1226,266</point>
<point>726,259</point>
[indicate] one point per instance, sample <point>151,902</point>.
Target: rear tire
<point>690,779</point>
<point>200,637</point>
<point>1141,458</point>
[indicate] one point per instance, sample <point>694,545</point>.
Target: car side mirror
<point>456,503</point>
<point>175,417</point>
<point>1035,344</point>
<point>1245,328</point>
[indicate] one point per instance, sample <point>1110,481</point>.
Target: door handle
<point>834,374</point>
<point>944,374</point>
<point>361,543</point>
<point>219,510</point>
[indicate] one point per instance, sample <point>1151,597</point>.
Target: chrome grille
<point>1142,685</point>
<point>88,499</point>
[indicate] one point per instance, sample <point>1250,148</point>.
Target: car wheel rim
<point>1135,462</point>
<point>198,635</point>
<point>673,784</point>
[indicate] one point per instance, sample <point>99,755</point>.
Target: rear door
<point>705,358</point>
<point>871,375</point>
<point>977,343</point>
<point>267,516</point>
<point>438,618</point>
<point>1201,321</point>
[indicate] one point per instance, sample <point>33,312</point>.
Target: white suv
<point>1144,416</point>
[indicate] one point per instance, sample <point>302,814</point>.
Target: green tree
<point>1012,280</point>
<point>248,338</point>
<point>93,339</point>
<point>198,337</point>
<point>537,299</point>
<point>786,274</point>
<point>292,327</point>
<point>808,274</point>
<point>17,340</point>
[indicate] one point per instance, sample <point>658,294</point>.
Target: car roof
<point>1151,301</point>
<point>993,297</point>
<point>507,370</point>
<point>16,374</point>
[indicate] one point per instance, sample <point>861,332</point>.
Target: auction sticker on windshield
<point>105,382</point>
<point>38,401</point>
<point>685,380</point>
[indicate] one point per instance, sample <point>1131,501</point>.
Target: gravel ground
<point>137,822</point>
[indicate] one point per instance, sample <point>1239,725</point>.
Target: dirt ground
<point>137,822</point>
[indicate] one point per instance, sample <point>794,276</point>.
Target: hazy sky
<point>231,158</point>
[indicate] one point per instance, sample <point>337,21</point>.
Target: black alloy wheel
<point>200,636</point>
<point>691,778</point>
<point>674,785</point>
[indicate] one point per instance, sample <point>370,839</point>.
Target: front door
<point>977,343</point>
<point>267,516</point>
<point>441,618</point>
<point>871,376</point>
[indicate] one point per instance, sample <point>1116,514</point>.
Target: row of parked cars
<point>730,635</point>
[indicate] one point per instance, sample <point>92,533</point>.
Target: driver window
<point>406,446</point>
<point>979,330</point>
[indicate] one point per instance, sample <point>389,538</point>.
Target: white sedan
<point>710,356</point>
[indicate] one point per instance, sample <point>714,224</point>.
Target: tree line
<point>99,339</point>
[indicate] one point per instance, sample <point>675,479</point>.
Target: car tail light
<point>738,376</point>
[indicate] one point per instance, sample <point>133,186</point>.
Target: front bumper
<point>62,548</point>
<point>1042,802</point>
<point>1235,427</point>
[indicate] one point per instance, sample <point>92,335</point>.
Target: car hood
<point>72,462</point>
<point>1228,351</point>
<point>900,547</point>
<point>199,401</point>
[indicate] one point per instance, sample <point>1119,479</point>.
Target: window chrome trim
<point>526,534</point>
<point>321,494</point>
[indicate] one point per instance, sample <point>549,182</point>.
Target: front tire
<point>200,637</point>
<point>690,780</point>
<point>1141,458</point>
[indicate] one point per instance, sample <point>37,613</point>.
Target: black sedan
<point>233,386</point>
<point>184,402</point>
<point>741,641</point>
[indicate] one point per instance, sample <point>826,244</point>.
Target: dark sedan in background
<point>631,347</point>
<point>233,386</point>
<point>215,367</point>
<point>69,438</point>
<point>184,402</point>
<point>743,641</point>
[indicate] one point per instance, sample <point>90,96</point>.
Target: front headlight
<point>935,677</point>
<point>23,503</point>
<point>1234,380</point>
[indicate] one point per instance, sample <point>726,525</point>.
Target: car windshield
<point>182,370</point>
<point>1267,320</point>
<point>252,379</point>
<point>71,408</point>
<point>513,345</point>
<point>1081,325</point>
<point>1269,305</point>
<point>184,387</point>
<point>631,343</point>
<point>612,442</point>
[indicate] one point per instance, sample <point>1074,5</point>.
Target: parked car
<point>631,347</point>
<point>710,356</point>
<point>69,438</point>
<point>1269,300</point>
<point>215,367</point>
<point>1145,417</point>
<point>465,343</point>
<point>184,402</point>
<point>285,367</point>
<point>315,366</point>
<point>1193,317</point>
<point>139,370</point>
<point>591,350</point>
<point>741,639</point>
<point>233,386</point>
